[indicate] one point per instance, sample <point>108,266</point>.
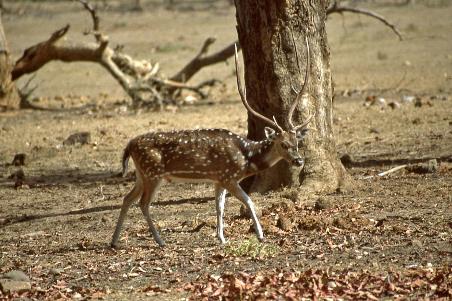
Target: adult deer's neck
<point>261,155</point>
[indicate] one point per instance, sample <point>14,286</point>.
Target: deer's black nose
<point>298,162</point>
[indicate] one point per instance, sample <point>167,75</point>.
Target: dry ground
<point>57,226</point>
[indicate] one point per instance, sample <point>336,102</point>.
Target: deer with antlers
<point>210,155</point>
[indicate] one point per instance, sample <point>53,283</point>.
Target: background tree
<point>9,96</point>
<point>265,29</point>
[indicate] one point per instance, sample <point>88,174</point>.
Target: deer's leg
<point>238,192</point>
<point>150,189</point>
<point>220,198</point>
<point>127,202</point>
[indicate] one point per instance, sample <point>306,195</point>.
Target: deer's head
<point>285,142</point>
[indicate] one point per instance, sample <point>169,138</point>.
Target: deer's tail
<point>125,160</point>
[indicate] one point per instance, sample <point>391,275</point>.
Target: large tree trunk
<point>265,29</point>
<point>9,97</point>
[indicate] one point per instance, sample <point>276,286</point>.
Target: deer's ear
<point>301,133</point>
<point>269,132</point>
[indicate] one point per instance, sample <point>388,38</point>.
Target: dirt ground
<point>56,226</point>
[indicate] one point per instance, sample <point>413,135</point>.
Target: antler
<point>242,93</point>
<point>306,79</point>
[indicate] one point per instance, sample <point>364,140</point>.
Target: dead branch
<point>202,60</point>
<point>382,174</point>
<point>37,55</point>
<point>174,85</point>
<point>94,17</point>
<point>137,78</point>
<point>54,48</point>
<point>26,91</point>
<point>338,8</point>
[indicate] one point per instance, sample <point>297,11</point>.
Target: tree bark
<point>265,29</point>
<point>9,96</point>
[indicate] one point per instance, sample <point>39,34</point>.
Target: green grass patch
<point>251,248</point>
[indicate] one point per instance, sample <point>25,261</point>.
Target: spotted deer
<point>210,155</point>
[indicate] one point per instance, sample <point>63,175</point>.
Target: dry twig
<point>202,59</point>
<point>94,17</point>
<point>338,8</point>
<point>384,173</point>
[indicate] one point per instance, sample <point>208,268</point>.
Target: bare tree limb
<point>139,79</point>
<point>202,60</point>
<point>382,174</point>
<point>181,85</point>
<point>94,17</point>
<point>338,8</point>
<point>26,91</point>
<point>54,48</point>
<point>135,77</point>
<point>38,55</point>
